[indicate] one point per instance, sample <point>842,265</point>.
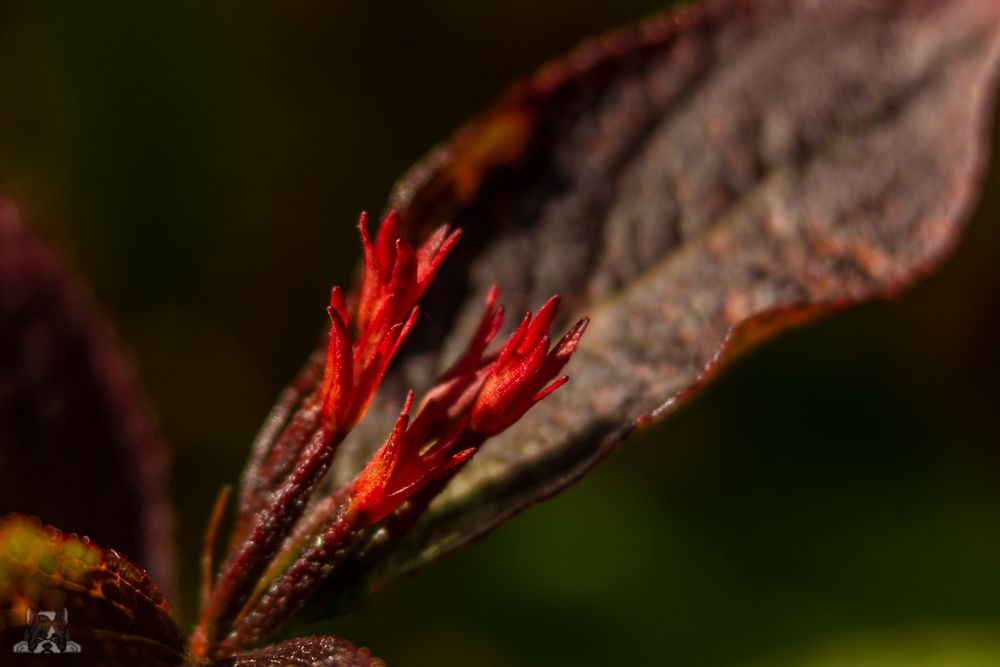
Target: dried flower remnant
<point>286,541</point>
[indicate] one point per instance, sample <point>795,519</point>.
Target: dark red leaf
<point>77,445</point>
<point>306,652</point>
<point>715,174</point>
<point>116,613</point>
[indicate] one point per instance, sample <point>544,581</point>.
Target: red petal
<point>381,320</point>
<point>370,485</point>
<point>564,349</point>
<point>404,331</point>
<point>555,384</point>
<point>458,459</point>
<point>372,370</point>
<point>503,387</point>
<point>459,373</point>
<point>438,450</point>
<point>540,325</point>
<point>403,281</point>
<point>339,375</point>
<point>428,265</point>
<point>369,277</point>
<point>422,471</point>
<point>514,341</point>
<point>338,303</point>
<point>492,318</point>
<point>385,246</point>
<point>429,248</point>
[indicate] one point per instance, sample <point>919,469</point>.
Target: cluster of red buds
<point>286,541</point>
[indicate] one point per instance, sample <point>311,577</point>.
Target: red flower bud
<point>518,378</point>
<point>475,399</point>
<point>287,540</point>
<point>394,277</point>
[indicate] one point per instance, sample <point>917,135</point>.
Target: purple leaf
<point>77,445</point>
<point>695,184</point>
<point>320,651</point>
<point>114,611</point>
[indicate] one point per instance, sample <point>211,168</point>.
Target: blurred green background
<point>832,500</point>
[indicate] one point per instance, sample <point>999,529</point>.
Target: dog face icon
<point>46,632</point>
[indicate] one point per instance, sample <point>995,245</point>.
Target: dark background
<point>831,500</point>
